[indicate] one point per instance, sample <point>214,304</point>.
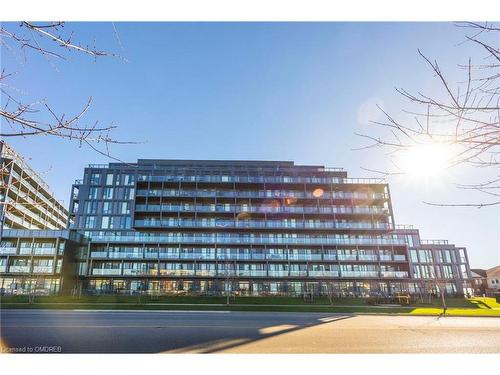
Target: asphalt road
<point>41,331</point>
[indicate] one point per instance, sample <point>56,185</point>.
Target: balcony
<point>347,257</point>
<point>118,255</point>
<point>256,273</point>
<point>359,274</point>
<point>139,272</point>
<point>276,257</point>
<point>44,251</point>
<point>43,269</point>
<point>278,273</point>
<point>206,273</point>
<point>369,258</point>
<point>19,269</point>
<point>107,271</point>
<point>8,251</point>
<point>165,272</point>
<point>298,273</point>
<point>395,274</point>
<point>323,273</point>
<point>399,258</point>
<point>385,258</point>
<point>234,256</point>
<point>25,251</point>
<point>3,269</point>
<point>98,254</point>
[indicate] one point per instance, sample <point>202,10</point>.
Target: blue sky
<point>277,91</point>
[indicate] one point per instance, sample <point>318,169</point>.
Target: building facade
<point>436,265</point>
<point>170,226</point>
<point>212,227</point>
<point>26,201</point>
<point>38,261</point>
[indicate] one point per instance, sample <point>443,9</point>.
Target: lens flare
<point>318,193</point>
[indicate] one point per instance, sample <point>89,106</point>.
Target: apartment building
<point>33,235</point>
<point>250,227</point>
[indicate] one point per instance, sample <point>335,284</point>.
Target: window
<point>93,193</point>
<point>409,240</point>
<point>108,193</point>
<point>425,256</point>
<point>106,208</point>
<point>128,179</point>
<point>91,207</point>
<point>413,256</point>
<point>129,193</point>
<point>90,222</point>
<point>447,272</point>
<point>109,179</point>
<point>95,178</point>
<point>461,254</point>
<point>105,222</point>
<point>125,208</point>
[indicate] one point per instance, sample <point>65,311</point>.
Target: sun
<point>426,161</point>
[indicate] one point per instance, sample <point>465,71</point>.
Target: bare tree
<point>465,116</point>
<point>24,119</point>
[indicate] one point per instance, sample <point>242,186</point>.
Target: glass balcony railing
<point>278,273</point>
<point>98,254</point>
<point>346,257</point>
<point>43,269</point>
<point>44,251</point>
<point>385,257</point>
<point>165,272</point>
<point>395,274</point>
<point>304,257</point>
<point>25,250</point>
<point>276,256</point>
<point>258,224</point>
<point>8,251</point>
<point>260,179</point>
<point>3,269</point>
<point>206,273</point>
<point>107,271</point>
<point>260,238</point>
<point>139,272</point>
<point>323,273</point>
<point>234,257</point>
<point>359,274</point>
<point>298,273</point>
<point>370,258</point>
<point>330,257</point>
<point>399,258</point>
<point>232,208</point>
<point>118,255</point>
<point>19,269</point>
<point>256,273</point>
<point>264,194</point>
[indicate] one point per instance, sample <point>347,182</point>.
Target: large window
<point>90,222</point>
<point>91,207</point>
<point>106,208</point>
<point>105,222</point>
<point>125,207</point>
<point>425,256</point>
<point>447,272</point>
<point>108,193</point>
<point>109,179</point>
<point>95,178</point>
